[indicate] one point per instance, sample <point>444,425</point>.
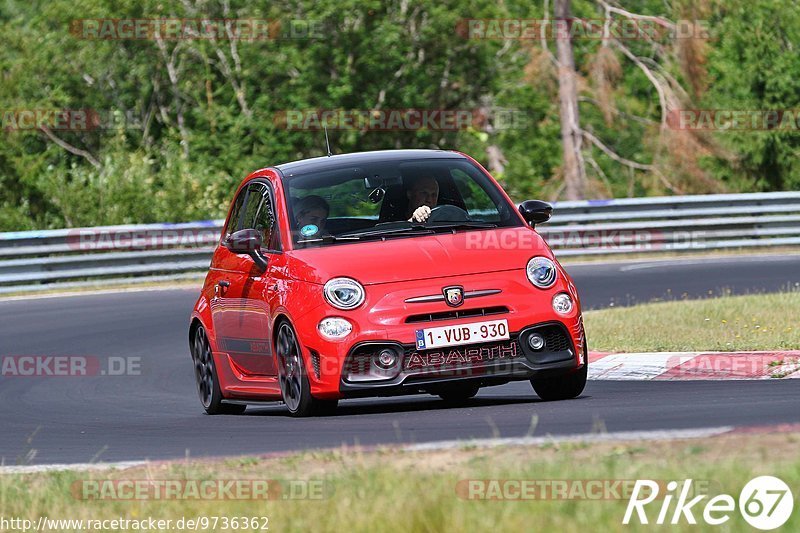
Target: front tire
<point>205,373</point>
<point>562,387</point>
<point>295,388</point>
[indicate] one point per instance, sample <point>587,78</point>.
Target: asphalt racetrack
<point>157,415</point>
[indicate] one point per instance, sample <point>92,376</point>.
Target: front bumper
<point>480,364</point>
<point>391,316</point>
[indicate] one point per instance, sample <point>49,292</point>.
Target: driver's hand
<point>421,214</point>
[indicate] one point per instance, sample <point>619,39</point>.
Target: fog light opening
<point>536,341</point>
<point>386,358</point>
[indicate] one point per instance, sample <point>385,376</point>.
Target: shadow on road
<point>409,405</point>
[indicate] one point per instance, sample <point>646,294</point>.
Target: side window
<point>259,215</point>
<point>265,223</point>
<point>236,213</point>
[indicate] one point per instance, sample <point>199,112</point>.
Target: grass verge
<point>728,323</point>
<point>391,490</point>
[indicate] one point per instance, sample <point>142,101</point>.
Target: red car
<point>382,273</point>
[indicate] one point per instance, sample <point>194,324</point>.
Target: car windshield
<point>393,198</point>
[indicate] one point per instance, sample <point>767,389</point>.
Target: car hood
<point>420,257</point>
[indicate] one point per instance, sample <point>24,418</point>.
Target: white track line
<point>619,436</point>
<point>662,434</point>
<point>35,469</point>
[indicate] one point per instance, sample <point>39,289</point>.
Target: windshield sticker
<point>308,230</point>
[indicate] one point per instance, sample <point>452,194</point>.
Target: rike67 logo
<point>765,502</point>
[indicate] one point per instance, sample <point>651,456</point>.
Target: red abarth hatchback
<point>377,274</point>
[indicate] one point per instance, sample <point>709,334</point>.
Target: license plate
<point>475,333</point>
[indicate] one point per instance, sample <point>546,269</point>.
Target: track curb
<point>694,365</point>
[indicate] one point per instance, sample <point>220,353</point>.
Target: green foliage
<point>183,121</point>
<point>754,66</point>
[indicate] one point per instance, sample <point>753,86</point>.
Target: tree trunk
<point>573,168</point>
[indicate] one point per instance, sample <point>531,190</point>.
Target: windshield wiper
<point>330,238</point>
<point>420,229</point>
<point>411,228</point>
<point>463,225</point>
<point>357,236</point>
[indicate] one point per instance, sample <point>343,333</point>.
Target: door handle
<point>224,283</point>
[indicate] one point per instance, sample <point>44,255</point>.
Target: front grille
<point>455,314</point>
<point>555,340</point>
<point>360,360</point>
<point>462,356</point>
<point>359,363</point>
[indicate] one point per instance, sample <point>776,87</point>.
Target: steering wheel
<point>448,213</point>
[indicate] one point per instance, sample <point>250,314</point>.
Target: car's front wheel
<point>205,373</point>
<point>562,387</point>
<point>295,388</point>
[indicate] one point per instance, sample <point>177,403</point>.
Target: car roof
<point>318,164</point>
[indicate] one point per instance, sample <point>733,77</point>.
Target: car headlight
<point>541,272</point>
<point>344,293</point>
<point>334,327</point>
<point>562,303</point>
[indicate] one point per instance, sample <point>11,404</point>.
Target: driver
<point>423,195</point>
<point>311,215</point>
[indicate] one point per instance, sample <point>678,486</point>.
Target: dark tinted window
<point>259,214</point>
<point>236,212</point>
<point>380,196</point>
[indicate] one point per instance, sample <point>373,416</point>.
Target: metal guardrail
<point>36,260</point>
<point>129,254</point>
<point>674,223</point>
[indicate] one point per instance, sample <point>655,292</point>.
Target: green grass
<point>392,490</point>
<point>728,323</point>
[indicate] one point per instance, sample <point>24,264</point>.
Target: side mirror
<point>535,211</point>
<point>247,241</point>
